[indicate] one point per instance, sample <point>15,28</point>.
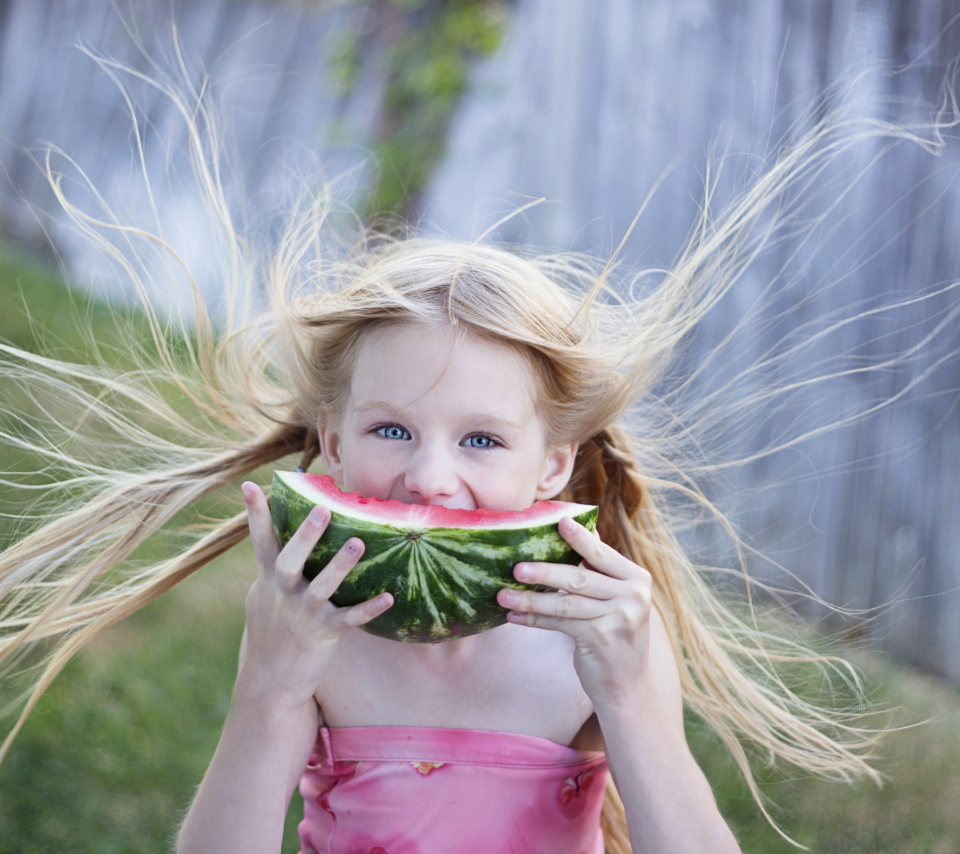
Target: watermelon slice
<point>443,567</point>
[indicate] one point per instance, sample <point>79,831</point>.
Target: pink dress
<point>425,790</point>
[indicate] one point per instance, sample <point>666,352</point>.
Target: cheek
<point>368,468</point>
<point>510,486</point>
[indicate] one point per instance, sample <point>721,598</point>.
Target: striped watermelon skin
<point>444,580</point>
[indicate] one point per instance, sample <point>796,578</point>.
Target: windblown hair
<point>214,400</point>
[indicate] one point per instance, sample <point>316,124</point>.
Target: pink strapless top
<point>425,790</point>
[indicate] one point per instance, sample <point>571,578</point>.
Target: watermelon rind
<point>444,580</point>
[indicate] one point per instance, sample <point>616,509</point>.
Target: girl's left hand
<point>603,604</point>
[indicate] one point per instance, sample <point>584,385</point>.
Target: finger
<point>573,579</point>
<point>573,628</point>
<point>566,605</point>
<point>357,615</point>
<point>293,555</point>
<point>596,554</point>
<point>328,580</point>
<point>265,546</point>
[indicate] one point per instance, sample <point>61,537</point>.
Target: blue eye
<point>480,440</point>
<point>392,431</point>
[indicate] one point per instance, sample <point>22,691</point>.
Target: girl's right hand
<point>293,629</point>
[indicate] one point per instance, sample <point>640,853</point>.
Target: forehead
<point>409,366</point>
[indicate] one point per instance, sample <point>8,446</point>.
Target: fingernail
<point>516,617</point>
<point>247,489</point>
<point>521,571</point>
<point>353,547</point>
<point>509,598</point>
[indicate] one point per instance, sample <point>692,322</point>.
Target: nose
<point>431,476</point>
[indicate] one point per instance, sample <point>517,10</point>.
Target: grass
<point>111,757</point>
<point>109,761</point>
<point>917,810</point>
<point>42,315</point>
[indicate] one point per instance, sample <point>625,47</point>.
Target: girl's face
<point>428,421</point>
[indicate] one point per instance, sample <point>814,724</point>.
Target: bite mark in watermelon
<point>443,567</point>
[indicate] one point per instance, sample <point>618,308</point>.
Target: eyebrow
<point>481,418</point>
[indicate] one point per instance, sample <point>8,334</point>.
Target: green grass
<point>110,759</point>
<point>42,315</point>
<point>917,811</point>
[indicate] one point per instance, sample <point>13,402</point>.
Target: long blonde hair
<point>212,401</point>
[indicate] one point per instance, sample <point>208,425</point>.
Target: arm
<point>242,802</point>
<point>291,636</point>
<point>668,801</point>
<point>627,668</point>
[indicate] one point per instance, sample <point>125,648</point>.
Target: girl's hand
<point>603,604</point>
<point>293,629</point>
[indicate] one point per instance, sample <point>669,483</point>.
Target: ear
<point>329,436</point>
<point>557,469</point>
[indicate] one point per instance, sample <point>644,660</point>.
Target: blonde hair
<point>210,403</point>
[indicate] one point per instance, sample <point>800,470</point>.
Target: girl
<point>452,374</point>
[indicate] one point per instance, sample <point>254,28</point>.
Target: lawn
<point>109,760</point>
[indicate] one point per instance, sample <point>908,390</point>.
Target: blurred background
<point>452,114</point>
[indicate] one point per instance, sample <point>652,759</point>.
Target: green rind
<point>444,583</point>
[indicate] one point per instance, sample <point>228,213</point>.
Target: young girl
<point>453,374</point>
